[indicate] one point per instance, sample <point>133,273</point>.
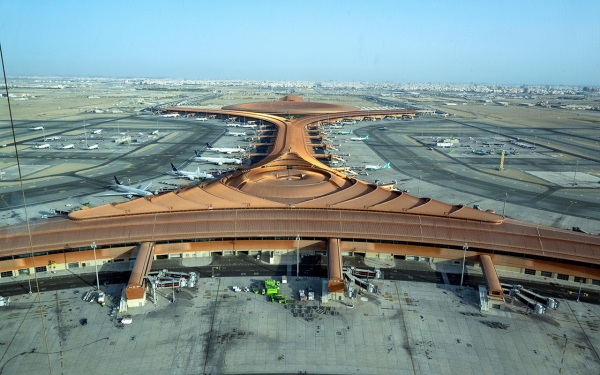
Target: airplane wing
<point>147,186</point>
<point>117,194</point>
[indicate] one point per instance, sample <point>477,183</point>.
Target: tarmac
<point>405,328</point>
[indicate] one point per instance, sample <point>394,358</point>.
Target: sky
<point>486,42</point>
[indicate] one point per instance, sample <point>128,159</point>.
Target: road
<point>472,175</point>
<point>236,266</point>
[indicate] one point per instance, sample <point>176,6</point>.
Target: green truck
<point>271,287</point>
<point>279,298</point>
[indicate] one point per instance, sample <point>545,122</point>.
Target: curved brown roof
<point>290,175</point>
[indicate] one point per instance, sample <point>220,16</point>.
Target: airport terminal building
<point>291,200</point>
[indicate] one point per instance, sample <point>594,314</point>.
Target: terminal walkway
<point>135,290</point>
<point>494,288</point>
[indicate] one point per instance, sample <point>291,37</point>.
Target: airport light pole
<point>297,257</point>
<point>465,248</point>
<point>96,265</point>
<point>575,175</point>
<point>419,187</point>
<point>504,206</point>
<point>29,279</point>
<point>580,285</point>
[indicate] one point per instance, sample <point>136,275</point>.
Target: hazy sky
<point>503,42</point>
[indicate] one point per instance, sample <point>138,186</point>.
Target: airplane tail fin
<point>350,131</point>
<point>117,181</point>
<point>197,153</point>
<point>387,165</point>
<point>366,137</point>
<point>208,145</point>
<point>173,167</point>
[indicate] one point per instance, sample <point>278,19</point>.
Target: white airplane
<point>232,125</point>
<point>129,191</point>
<point>336,127</point>
<point>343,132</point>
<point>202,119</point>
<point>53,138</point>
<point>171,115</point>
<point>97,131</point>
<point>365,138</point>
<point>65,147</point>
<point>225,150</point>
<point>218,161</point>
<point>348,122</point>
<point>191,175</point>
<point>45,145</point>
<point>233,134</point>
<point>154,132</point>
<point>248,125</point>
<point>36,128</point>
<point>92,147</point>
<point>376,167</point>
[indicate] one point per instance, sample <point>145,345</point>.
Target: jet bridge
<point>334,267</point>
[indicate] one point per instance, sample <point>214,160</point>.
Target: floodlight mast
<point>297,257</point>
<point>465,248</point>
<point>96,266</point>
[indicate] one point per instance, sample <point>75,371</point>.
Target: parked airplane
<point>225,150</point>
<point>348,122</point>
<point>65,147</point>
<point>92,147</point>
<point>97,131</point>
<point>343,132</point>
<point>365,138</point>
<point>202,119</point>
<point>233,134</point>
<point>171,115</point>
<point>154,132</point>
<point>191,175</point>
<point>36,128</point>
<point>480,152</point>
<point>45,145</point>
<point>376,167</point>
<point>129,191</point>
<point>219,161</point>
<point>53,138</point>
<point>248,125</point>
